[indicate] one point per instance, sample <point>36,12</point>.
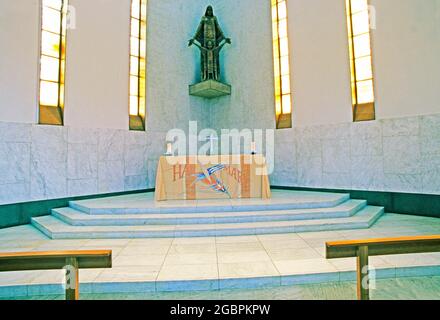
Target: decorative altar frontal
<point>212,177</point>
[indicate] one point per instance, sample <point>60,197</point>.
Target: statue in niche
<point>210,39</point>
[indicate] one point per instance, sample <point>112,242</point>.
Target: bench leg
<point>363,291</point>
<point>72,279</point>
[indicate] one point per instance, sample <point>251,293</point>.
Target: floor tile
<point>191,259</point>
<point>239,247</point>
<point>252,256</point>
<point>238,239</point>
<point>140,260</point>
<point>188,272</point>
<point>309,266</point>
<point>293,254</point>
<point>135,250</point>
<point>247,270</point>
<point>192,248</point>
<point>118,274</point>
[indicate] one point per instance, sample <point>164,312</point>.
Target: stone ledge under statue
<point>210,89</point>
<point>209,38</point>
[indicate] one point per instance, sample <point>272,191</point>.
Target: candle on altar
<point>169,148</point>
<point>253,147</point>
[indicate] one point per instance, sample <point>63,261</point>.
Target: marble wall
<point>49,162</point>
<point>399,155</point>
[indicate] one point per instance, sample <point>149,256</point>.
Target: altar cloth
<point>212,177</point>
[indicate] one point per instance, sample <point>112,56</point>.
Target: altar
<point>212,177</point>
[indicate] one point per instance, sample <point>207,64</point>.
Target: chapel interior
<point>116,156</point>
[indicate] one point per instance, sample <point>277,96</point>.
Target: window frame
<point>137,122</point>
<point>283,119</point>
<point>53,114</point>
<point>362,111</point>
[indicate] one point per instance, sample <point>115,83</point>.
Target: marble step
<point>144,203</point>
<point>77,218</point>
<point>57,229</point>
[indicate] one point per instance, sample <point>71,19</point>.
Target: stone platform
<point>216,263</point>
<point>210,89</point>
<point>139,216</point>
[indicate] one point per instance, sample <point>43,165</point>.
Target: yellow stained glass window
<point>55,4</point>
<point>362,78</point>
<point>283,100</point>
<point>50,69</point>
<point>138,49</point>
<point>52,61</point>
<point>49,93</point>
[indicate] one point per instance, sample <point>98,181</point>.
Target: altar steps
<point>57,229</point>
<point>77,218</point>
<point>145,204</point>
<point>139,216</point>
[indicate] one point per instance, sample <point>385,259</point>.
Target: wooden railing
<point>362,249</point>
<point>72,261</point>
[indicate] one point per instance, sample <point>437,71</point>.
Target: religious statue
<point>210,39</point>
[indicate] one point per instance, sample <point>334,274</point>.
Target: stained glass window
<point>362,80</point>
<point>283,100</point>
<point>52,61</point>
<point>138,64</point>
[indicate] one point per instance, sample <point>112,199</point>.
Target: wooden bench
<point>362,249</point>
<point>72,261</point>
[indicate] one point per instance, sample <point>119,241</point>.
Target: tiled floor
<point>183,259</point>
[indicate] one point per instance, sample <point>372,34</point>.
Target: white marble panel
<point>430,145</point>
<point>111,176</point>
<point>12,193</point>
<point>402,155</point>
<point>135,137</point>
<point>366,147</point>
<point>48,178</point>
<point>309,171</point>
<point>135,160</point>
<point>430,125</point>
<point>284,178</point>
<point>49,134</point>
<point>285,156</point>
<point>336,180</point>
<point>285,165</point>
<point>366,130</point>
<point>48,162</point>
<point>82,135</point>
<point>15,132</point>
<point>82,162</point>
<point>156,143</point>
<point>431,173</point>
<point>403,182</point>
<point>111,145</point>
<point>367,173</point>
<point>366,139</point>
<point>430,134</point>
<point>308,147</point>
<point>152,171</point>
<point>336,156</point>
<point>409,126</point>
<point>14,162</point>
<point>82,187</point>
<point>335,131</point>
<point>285,135</point>
<point>136,182</point>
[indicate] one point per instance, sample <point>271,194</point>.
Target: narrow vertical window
<point>362,83</point>
<point>137,64</point>
<point>283,100</point>
<point>52,61</point>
